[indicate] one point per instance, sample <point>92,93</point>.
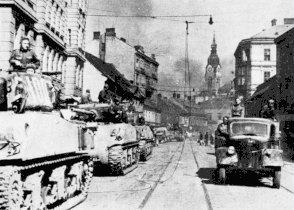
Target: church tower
<point>212,73</point>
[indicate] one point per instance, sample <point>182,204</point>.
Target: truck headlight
<point>231,150</point>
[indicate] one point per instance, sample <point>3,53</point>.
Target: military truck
<point>252,144</point>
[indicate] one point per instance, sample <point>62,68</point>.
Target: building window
<point>244,56</point>
<point>267,75</point>
<point>241,81</point>
<point>267,54</point>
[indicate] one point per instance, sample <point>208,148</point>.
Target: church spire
<point>213,45</point>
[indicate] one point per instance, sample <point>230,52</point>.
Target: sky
<point>165,37</point>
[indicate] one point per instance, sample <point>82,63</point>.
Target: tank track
<point>122,159</point>
<point>24,187</point>
<point>146,148</point>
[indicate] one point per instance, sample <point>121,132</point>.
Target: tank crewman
<point>270,112</point>
<point>131,107</point>
<point>86,97</point>
<point>117,112</point>
<point>141,119</point>
<point>104,95</point>
<point>24,59</point>
<point>263,111</point>
<point>237,109</point>
<point>221,133</point>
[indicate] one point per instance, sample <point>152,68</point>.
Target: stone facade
<point>56,29</point>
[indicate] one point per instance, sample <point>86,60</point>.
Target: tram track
<point>150,192</point>
<point>207,197</point>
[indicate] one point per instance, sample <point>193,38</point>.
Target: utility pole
<point>187,70</point>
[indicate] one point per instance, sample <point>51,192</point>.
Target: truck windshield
<point>249,128</point>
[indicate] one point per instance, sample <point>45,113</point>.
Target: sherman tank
<point>45,159</point>
<point>116,143</point>
<point>146,143</point>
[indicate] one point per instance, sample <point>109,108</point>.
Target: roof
<point>262,88</point>
<point>252,119</point>
<point>109,71</point>
<point>268,34</point>
<point>273,32</point>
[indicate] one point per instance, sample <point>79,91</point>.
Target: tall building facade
<point>56,29</point>
<point>256,59</point>
<point>131,61</point>
<point>212,71</point>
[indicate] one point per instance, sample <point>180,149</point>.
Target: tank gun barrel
<point>82,111</point>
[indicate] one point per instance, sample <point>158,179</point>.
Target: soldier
<point>117,112</point>
<point>221,134</point>
<point>86,97</point>
<point>131,107</point>
<point>237,109</point>
<point>263,111</point>
<point>104,95</point>
<point>24,59</point>
<point>270,112</point>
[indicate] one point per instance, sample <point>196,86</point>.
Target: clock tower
<point>212,73</point>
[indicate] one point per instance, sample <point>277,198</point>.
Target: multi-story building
<point>256,59</point>
<point>131,61</point>
<point>56,29</point>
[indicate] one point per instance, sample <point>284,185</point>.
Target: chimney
<point>288,21</point>
<point>139,48</point>
<point>96,35</point>
<point>123,39</point>
<point>153,57</point>
<point>274,22</point>
<point>110,32</point>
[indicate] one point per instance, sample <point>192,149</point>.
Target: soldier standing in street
<point>237,109</point>
<point>24,59</point>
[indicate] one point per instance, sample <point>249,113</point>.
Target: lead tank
<point>45,160</point>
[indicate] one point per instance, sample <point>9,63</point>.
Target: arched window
<point>20,31</point>
<point>63,70</point>
<point>45,59</point>
<point>50,61</point>
<point>55,62</point>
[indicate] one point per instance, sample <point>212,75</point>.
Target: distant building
<point>98,72</point>
<point>212,71</point>
<point>131,61</point>
<point>56,30</point>
<point>256,60</point>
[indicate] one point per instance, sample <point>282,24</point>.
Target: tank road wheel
<point>115,155</point>
<point>277,179</point>
<point>222,176</point>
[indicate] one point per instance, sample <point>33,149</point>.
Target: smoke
<point>133,29</point>
<point>175,80</point>
<point>227,70</point>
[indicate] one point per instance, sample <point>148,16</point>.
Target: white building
<point>256,59</point>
